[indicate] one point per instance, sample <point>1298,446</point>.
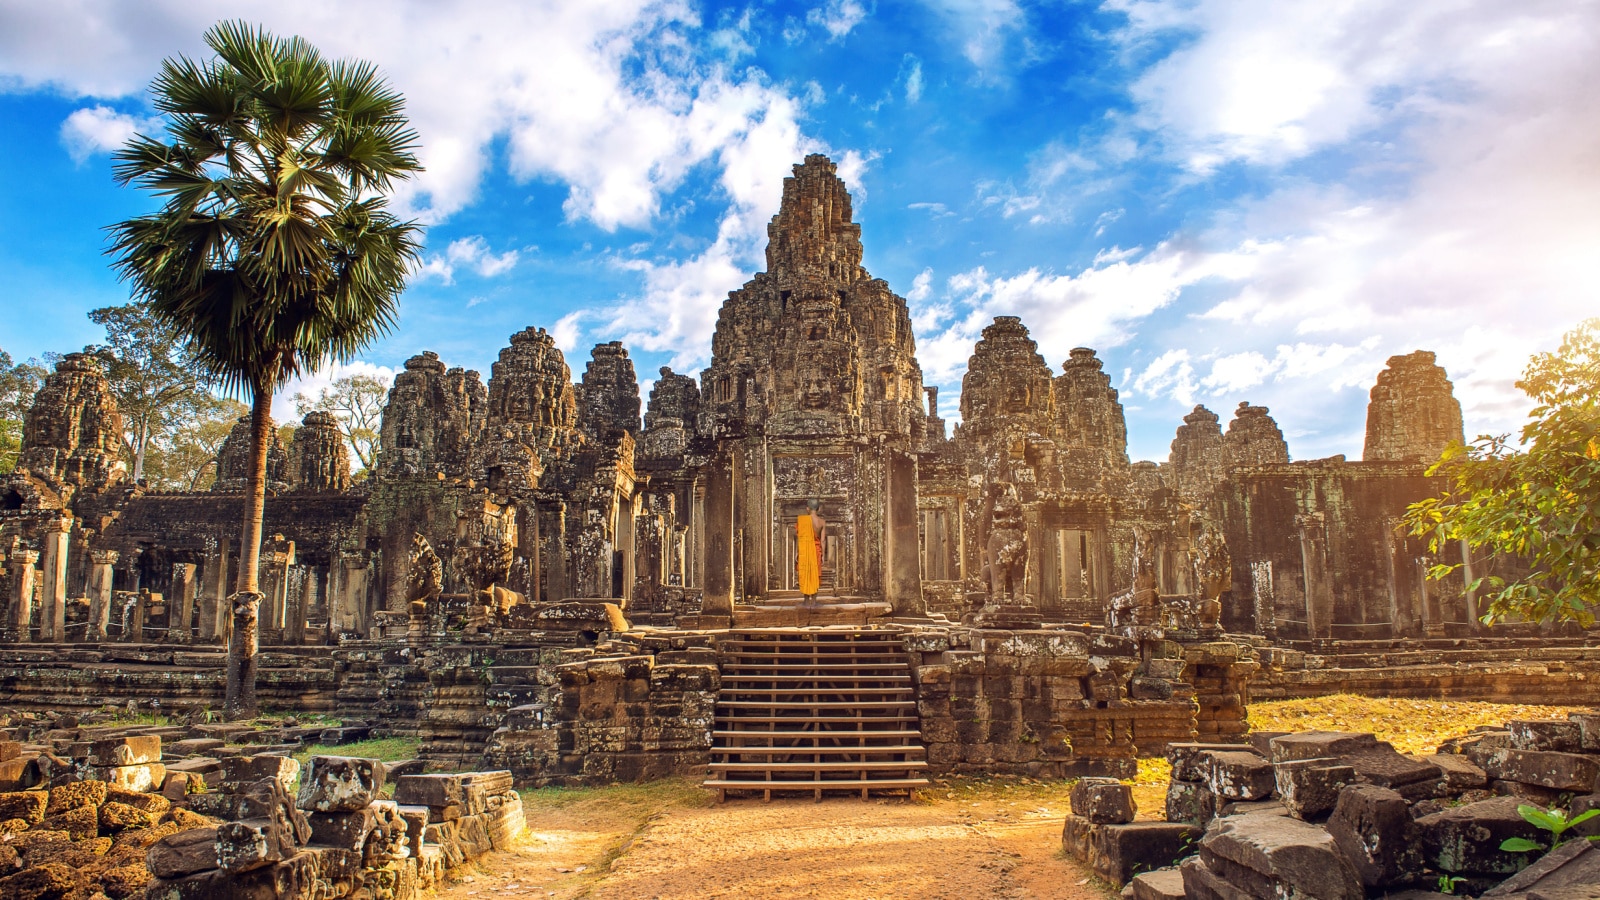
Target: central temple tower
<point>813,392</point>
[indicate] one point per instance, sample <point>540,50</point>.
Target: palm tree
<point>274,250</point>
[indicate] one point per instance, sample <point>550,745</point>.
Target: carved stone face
<point>816,388</point>
<point>1017,396</point>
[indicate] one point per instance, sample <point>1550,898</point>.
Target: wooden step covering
<point>815,710</point>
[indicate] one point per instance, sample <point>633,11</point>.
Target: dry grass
<point>1412,726</point>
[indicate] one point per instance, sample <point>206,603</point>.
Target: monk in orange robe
<point>809,530</point>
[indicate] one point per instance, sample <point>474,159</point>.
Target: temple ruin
<point>560,578</point>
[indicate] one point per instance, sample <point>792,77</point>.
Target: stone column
<point>755,524</point>
<point>142,602</point>
<point>905,552</point>
<point>353,591</point>
<point>627,532</point>
<point>101,579</point>
<point>1314,570</point>
<point>180,610</point>
<point>295,605</point>
<point>276,558</point>
<point>557,587</point>
<point>1266,602</point>
<point>53,600</point>
<point>1432,609</point>
<point>718,538</point>
<point>22,577</point>
<point>1471,598</point>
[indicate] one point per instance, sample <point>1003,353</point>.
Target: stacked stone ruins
<point>538,579</point>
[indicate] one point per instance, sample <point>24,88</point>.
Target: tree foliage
<point>274,250</point>
<point>153,376</point>
<point>185,458</point>
<point>18,383</point>
<point>1538,498</point>
<point>357,402</point>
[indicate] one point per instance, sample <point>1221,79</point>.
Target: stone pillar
<point>1266,602</point>
<point>556,583</point>
<point>295,605</point>
<point>53,582</point>
<point>142,602</point>
<point>627,532</point>
<point>718,597</point>
<point>1432,609</point>
<point>904,582</point>
<point>355,593</point>
<point>754,524</point>
<point>180,611</point>
<point>1314,569</point>
<point>694,570</point>
<point>1470,575</point>
<point>101,579</point>
<point>22,578</point>
<point>214,614</point>
<point>277,556</point>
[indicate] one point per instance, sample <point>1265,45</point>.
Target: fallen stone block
<point>1320,745</point>
<point>116,817</point>
<point>1191,803</point>
<point>1189,761</point>
<point>241,771</point>
<point>1465,840</point>
<point>142,777</point>
<point>81,822</point>
<point>1200,883</point>
<point>294,878</point>
<point>1278,856</point>
<point>1588,730</point>
<point>43,882</point>
<point>1162,884</point>
<point>253,843</point>
<point>1103,801</point>
<point>437,792</point>
<point>342,830</point>
<point>473,837</point>
<point>1573,864</point>
<point>1373,826</point>
<point>9,750</point>
<point>443,836</point>
<point>125,751</point>
<point>1309,788</point>
<point>387,839</point>
<point>416,826</point>
<point>184,853</point>
<point>1239,775</point>
<point>28,806</point>
<point>72,796</point>
<point>1116,852</point>
<point>340,783</point>
<point>1252,808</point>
<point>1460,773</point>
<point>1546,769</point>
<point>1261,741</point>
<point>1558,735</point>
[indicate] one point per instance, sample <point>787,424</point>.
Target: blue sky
<point>1230,201</point>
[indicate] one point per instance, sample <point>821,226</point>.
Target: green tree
<point>18,383</point>
<point>357,402</point>
<point>152,374</point>
<point>274,250</point>
<point>1537,499</point>
<point>185,459</point>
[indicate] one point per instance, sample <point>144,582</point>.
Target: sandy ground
<point>968,840</point>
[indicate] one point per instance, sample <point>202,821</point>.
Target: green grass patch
<point>387,749</point>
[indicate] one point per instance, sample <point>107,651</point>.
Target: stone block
<point>1200,883</point>
<point>1558,735</point>
<point>443,835</point>
<point>1460,773</point>
<point>1189,762</point>
<point>184,853</point>
<point>1309,788</point>
<point>116,817</point>
<point>473,837</point>
<point>294,878</point>
<point>342,830</point>
<point>10,750</point>
<point>143,778</point>
<point>1571,865</point>
<point>1465,840</point>
<point>386,841</point>
<point>1373,826</point>
<point>241,771</point>
<point>437,792</point>
<point>1278,856</point>
<point>1588,730</point>
<point>1578,807</point>
<point>81,822</point>
<point>1116,852</point>
<point>1252,808</point>
<point>1190,803</point>
<point>125,751</point>
<point>1320,744</point>
<point>28,806</point>
<point>340,783</point>
<point>1261,741</point>
<point>1103,801</point>
<point>42,882</point>
<point>253,843</point>
<point>1239,775</point>
<point>79,793</point>
<point>417,821</point>
<point>1162,884</point>
<point>1546,769</point>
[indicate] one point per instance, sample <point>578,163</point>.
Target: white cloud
<point>283,410</point>
<point>981,27</point>
<point>913,79</point>
<point>101,129</point>
<point>472,253</point>
<point>1170,373</point>
<point>837,17</point>
<point>566,331</point>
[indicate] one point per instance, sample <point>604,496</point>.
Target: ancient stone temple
<point>813,393</point>
<point>1414,414</point>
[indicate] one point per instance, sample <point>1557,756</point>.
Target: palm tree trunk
<point>246,603</point>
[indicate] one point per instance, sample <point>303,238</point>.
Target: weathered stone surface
<point>184,853</point>
<point>1559,735</point>
<point>1189,761</point>
<point>1460,773</point>
<point>253,843</point>
<point>344,830</point>
<point>239,772</point>
<point>1103,801</point>
<point>1191,803</point>
<point>318,460</point>
<point>50,881</point>
<point>1373,826</point>
<point>1548,769</point>
<point>1253,438</point>
<point>81,822</point>
<point>125,751</point>
<point>1117,852</point>
<point>1413,414</point>
<point>28,806</point>
<point>1240,775</point>
<point>1320,745</point>
<point>72,796</point>
<point>115,817</point>
<point>72,435</point>
<point>1571,865</point>
<point>1282,855</point>
<point>142,778</point>
<point>1309,788</point>
<point>1465,840</point>
<point>340,783</point>
<point>1200,883</point>
<point>233,460</point>
<point>1162,884</point>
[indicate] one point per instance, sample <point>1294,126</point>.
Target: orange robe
<point>808,556</point>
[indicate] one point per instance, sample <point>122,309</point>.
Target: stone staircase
<point>815,710</point>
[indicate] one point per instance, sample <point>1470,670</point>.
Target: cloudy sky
<point>1228,199</point>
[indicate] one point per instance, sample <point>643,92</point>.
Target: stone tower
<point>1413,414</point>
<point>72,435</point>
<point>670,420</point>
<point>1253,438</point>
<point>233,460</point>
<point>432,420</point>
<point>531,392</point>
<point>1007,389</point>
<point>1198,462</point>
<point>813,392</point>
<point>608,397</point>
<point>318,460</point>
<point>1091,431</point>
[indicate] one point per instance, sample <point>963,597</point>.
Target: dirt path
<point>966,840</point>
